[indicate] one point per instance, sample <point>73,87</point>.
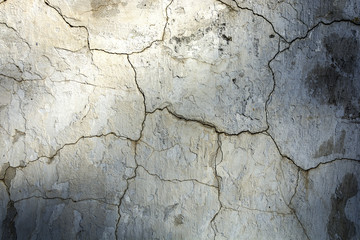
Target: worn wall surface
<point>180,119</point>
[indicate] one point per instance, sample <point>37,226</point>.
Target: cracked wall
<point>175,119</point>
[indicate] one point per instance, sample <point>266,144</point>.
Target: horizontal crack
<point>67,199</point>
<point>306,35</point>
<point>84,83</point>
<point>82,137</point>
<point>257,210</point>
<point>176,180</point>
<point>207,124</point>
<point>312,168</point>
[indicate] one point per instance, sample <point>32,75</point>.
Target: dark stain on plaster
<point>339,227</point>
<point>343,51</point>
<point>168,210</point>
<point>147,4</point>
<point>330,9</point>
<point>179,220</point>
<point>335,81</point>
<point>217,26</point>
<point>107,8</point>
<point>9,175</point>
<point>330,146</point>
<point>183,39</point>
<point>8,224</point>
<point>226,38</point>
<point>17,135</point>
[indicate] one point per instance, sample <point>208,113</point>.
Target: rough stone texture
<point>179,119</point>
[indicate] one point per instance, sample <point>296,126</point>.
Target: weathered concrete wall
<point>180,119</point>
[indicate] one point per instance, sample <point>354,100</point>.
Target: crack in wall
<point>66,199</point>
<point>175,180</point>
<point>274,88</point>
<point>17,33</point>
<point>218,179</point>
<point>293,211</point>
<point>143,96</point>
<point>51,157</point>
<point>110,52</point>
<point>122,197</point>
<point>180,117</point>
<point>254,13</point>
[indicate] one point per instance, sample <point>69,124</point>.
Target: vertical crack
<point>121,199</point>
<point>144,99</point>
<point>219,153</point>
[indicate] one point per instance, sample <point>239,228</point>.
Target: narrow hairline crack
<point>84,83</point>
<point>67,199</point>
<point>175,180</point>
<point>51,157</point>
<point>302,226</point>
<point>125,191</point>
<point>257,210</point>
<point>292,209</point>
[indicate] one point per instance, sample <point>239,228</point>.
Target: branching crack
<point>68,23</point>
<point>254,13</point>
<point>306,35</point>
<point>274,87</point>
<point>110,52</point>
<point>208,124</point>
<point>122,197</point>
<point>51,157</point>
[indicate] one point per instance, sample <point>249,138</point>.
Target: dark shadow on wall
<point>339,226</point>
